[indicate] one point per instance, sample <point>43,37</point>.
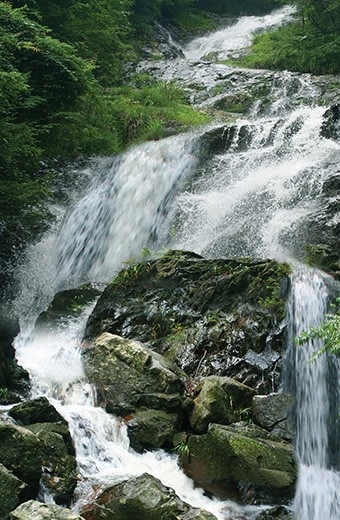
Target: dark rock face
<point>21,453</point>
<point>274,413</point>
<point>43,450</point>
<point>12,492</point>
<point>13,379</point>
<point>67,303</point>
<point>331,123</point>
<point>37,411</point>
<point>242,461</point>
<point>276,513</point>
<point>210,317</point>
<point>144,498</point>
<point>220,400</point>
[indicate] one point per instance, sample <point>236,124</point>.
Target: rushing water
<point>316,387</point>
<point>256,198</point>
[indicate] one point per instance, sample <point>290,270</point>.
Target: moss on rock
<point>228,457</point>
<point>199,312</point>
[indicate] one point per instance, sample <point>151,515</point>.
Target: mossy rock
<point>220,400</point>
<point>38,410</point>
<point>21,452</point>
<point>200,313</point>
<point>13,491</point>
<point>229,458</point>
<point>129,376</point>
<point>61,429</point>
<point>323,257</point>
<point>145,498</point>
<point>152,429</point>
<point>60,468</point>
<point>38,511</point>
<point>70,302</point>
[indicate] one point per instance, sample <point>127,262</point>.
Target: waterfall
<point>253,199</point>
<point>316,390</point>
<point>236,37</point>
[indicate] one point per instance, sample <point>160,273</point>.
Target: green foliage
<point>100,30</point>
<point>238,6</point>
<point>309,46</point>
<point>322,15</point>
<point>328,332</point>
<point>4,393</point>
<point>182,449</point>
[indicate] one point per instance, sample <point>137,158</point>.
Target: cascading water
<point>238,36</point>
<point>251,200</point>
<point>313,384</point>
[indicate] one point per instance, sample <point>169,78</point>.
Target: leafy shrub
<point>328,331</point>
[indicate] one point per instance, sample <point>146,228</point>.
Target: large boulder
<point>35,510</point>
<point>220,400</point>
<point>12,491</point>
<point>129,376</point>
<point>210,317</point>
<point>38,410</point>
<point>59,474</point>
<point>242,461</point>
<point>152,429</point>
<point>68,303</point>
<point>274,413</point>
<point>145,498</point>
<point>21,453</point>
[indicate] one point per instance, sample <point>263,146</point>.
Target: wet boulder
<point>38,410</point>
<point>220,400</point>
<point>38,511</point>
<point>68,303</point>
<point>210,317</point>
<point>14,380</point>
<point>12,491</point>
<point>273,412</point>
<point>152,429</point>
<point>242,461</point>
<point>275,513</point>
<point>331,123</point>
<point>145,498</point>
<point>59,473</point>
<point>220,139</point>
<point>21,453</point>
<point>129,376</point>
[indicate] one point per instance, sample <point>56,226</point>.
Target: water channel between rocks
<point>260,196</point>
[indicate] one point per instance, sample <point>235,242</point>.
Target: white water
<point>318,489</point>
<point>235,37</point>
<point>251,202</point>
<point>247,201</point>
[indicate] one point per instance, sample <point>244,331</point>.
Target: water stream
<point>254,199</point>
<point>316,387</point>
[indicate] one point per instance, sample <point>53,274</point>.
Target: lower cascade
<point>316,387</point>
<point>235,194</point>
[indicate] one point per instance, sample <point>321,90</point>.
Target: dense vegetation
<point>61,96</point>
<point>63,92</point>
<point>310,44</point>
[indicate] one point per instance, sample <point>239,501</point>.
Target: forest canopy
<point>63,93</point>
